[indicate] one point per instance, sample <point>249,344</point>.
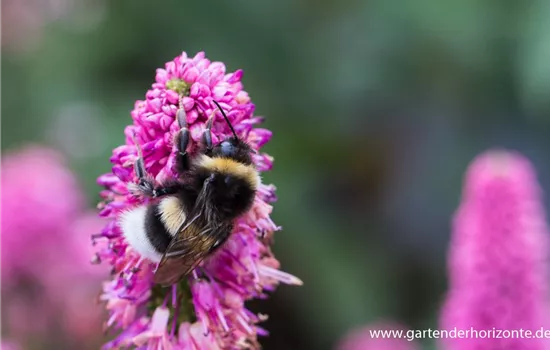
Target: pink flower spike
<point>498,256</point>
<point>46,246</point>
<point>207,309</point>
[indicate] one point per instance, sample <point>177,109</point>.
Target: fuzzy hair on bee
<point>189,217</point>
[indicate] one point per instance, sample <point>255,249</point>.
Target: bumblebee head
<point>234,148</point>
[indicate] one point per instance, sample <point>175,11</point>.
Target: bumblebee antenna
<point>226,119</point>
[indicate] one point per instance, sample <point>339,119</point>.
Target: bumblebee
<point>191,216</point>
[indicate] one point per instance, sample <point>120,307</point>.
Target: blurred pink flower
<point>39,195</point>
<point>241,270</point>
<point>365,338</point>
<point>498,255</point>
<point>45,243</point>
<point>9,345</point>
<point>23,21</point>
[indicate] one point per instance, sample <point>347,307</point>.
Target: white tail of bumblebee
<point>132,224</point>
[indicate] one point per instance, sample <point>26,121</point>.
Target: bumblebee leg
<point>182,141</point>
<point>207,136</point>
<point>145,185</point>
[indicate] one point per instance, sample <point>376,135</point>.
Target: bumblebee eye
<point>227,148</point>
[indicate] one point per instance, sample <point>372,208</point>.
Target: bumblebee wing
<point>186,251</point>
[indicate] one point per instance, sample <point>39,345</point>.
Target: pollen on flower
<point>206,310</point>
<point>179,86</point>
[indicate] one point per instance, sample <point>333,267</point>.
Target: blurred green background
<point>377,107</point>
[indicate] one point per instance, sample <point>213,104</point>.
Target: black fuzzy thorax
<point>230,196</point>
<point>226,197</point>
